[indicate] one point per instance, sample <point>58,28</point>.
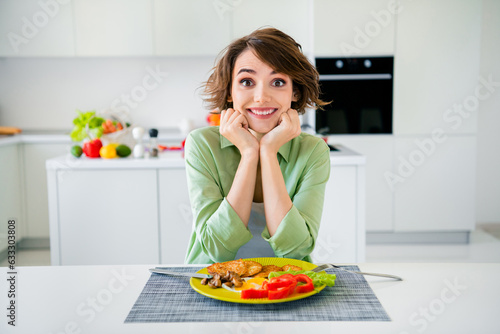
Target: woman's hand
<point>287,129</point>
<point>234,127</point>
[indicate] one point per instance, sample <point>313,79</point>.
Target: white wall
<point>488,134</point>
<point>43,93</point>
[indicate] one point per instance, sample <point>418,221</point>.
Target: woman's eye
<point>279,83</point>
<point>246,82</point>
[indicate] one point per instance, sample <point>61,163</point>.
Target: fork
<point>328,265</point>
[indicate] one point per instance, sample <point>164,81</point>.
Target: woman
<point>256,183</point>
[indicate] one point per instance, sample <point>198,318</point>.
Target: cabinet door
<point>435,190</point>
<point>359,27</point>
<point>176,218</point>
<point>108,217</point>
<point>436,66</point>
<point>191,27</point>
<point>337,237</point>
<point>35,180</point>
<point>379,150</point>
<point>36,28</point>
<point>290,16</point>
<point>10,193</point>
<point>113,28</point>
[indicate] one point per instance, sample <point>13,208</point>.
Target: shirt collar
<point>284,150</point>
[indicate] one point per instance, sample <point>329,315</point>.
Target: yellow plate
<point>234,297</point>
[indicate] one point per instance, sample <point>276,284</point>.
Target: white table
<point>433,298</point>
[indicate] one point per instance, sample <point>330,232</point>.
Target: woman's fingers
<point>234,115</point>
<point>225,115</point>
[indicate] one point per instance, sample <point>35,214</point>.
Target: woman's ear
<point>296,95</point>
<point>229,99</point>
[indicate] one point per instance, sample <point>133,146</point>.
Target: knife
<point>174,273</point>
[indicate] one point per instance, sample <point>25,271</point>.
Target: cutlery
<point>328,265</point>
<point>174,273</point>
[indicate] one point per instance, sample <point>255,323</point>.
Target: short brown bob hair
<point>281,53</point>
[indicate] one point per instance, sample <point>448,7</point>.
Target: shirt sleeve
<point>296,235</point>
<point>218,230</point>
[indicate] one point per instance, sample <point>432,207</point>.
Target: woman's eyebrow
<point>248,70</point>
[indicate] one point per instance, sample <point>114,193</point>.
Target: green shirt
<point>218,232</point>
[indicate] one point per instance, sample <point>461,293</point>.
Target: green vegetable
<point>86,125</point>
<point>123,151</point>
<point>76,151</point>
<point>318,279</point>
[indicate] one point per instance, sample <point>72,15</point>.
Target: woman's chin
<point>261,128</point>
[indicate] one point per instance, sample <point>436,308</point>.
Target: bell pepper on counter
<point>91,148</point>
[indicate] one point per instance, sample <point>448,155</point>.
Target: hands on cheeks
<point>288,128</point>
<point>234,126</point>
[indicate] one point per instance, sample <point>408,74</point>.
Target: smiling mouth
<point>262,111</point>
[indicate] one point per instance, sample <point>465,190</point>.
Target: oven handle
<point>340,77</point>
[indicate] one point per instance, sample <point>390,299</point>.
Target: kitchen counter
<point>62,137</point>
<point>433,298</point>
<point>344,156</point>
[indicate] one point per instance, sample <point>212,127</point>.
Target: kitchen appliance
<point>361,91</point>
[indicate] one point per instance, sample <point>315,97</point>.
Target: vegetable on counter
<point>86,125</point>
<point>108,151</point>
<point>76,151</point>
<point>123,151</point>
<point>92,148</point>
<point>110,126</point>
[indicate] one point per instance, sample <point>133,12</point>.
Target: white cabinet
<point>379,151</point>
<point>103,217</point>
<point>113,28</point>
<point>343,218</point>
<point>36,28</point>
<point>128,211</point>
<point>350,28</point>
<point>436,66</point>
<point>435,191</point>
<point>176,218</point>
<point>10,192</point>
<point>290,16</point>
<point>35,180</point>
<point>193,27</point>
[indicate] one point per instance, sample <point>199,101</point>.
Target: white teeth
<point>263,112</point>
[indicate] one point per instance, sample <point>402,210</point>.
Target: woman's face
<point>259,93</point>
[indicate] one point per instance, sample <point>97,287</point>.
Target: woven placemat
<point>171,299</point>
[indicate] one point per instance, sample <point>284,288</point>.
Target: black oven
<point>361,93</point>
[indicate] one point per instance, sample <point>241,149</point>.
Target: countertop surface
<point>433,298</point>
<point>62,136</point>
<point>173,159</point>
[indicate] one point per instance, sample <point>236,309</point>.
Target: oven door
<point>360,104</point>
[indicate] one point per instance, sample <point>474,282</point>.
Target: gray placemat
<point>171,299</point>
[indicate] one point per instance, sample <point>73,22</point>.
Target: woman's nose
<point>262,94</point>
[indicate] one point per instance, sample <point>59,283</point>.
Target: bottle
<point>138,133</point>
<point>153,143</point>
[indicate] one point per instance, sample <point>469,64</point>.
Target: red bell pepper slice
<point>308,285</point>
<point>281,293</point>
<point>279,282</point>
<point>254,293</point>
<point>280,287</point>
